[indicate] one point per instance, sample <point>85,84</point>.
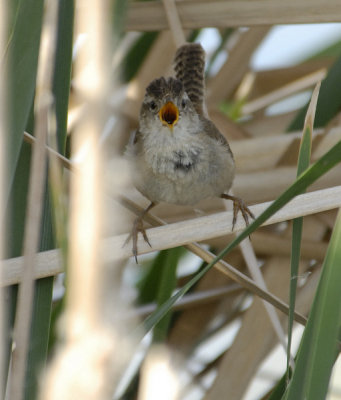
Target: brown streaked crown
<point>189,66</point>
<point>162,87</point>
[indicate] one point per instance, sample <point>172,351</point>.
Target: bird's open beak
<point>169,114</point>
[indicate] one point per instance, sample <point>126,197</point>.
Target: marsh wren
<point>178,155</point>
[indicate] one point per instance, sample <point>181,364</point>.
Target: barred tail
<point>189,66</point>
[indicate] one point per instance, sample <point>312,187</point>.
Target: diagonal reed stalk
<point>323,165</point>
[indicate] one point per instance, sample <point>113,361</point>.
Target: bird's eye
<point>152,105</point>
<point>183,103</point>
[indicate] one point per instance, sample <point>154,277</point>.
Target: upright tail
<point>189,66</point>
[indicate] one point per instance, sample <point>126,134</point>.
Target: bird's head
<point>166,104</point>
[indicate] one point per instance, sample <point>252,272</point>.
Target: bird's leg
<point>239,205</point>
<point>138,227</point>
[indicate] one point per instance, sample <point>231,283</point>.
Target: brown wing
<point>214,133</point>
<point>189,66</point>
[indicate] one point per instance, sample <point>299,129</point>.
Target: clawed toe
<point>246,212</point>
<point>239,205</point>
<point>137,227</point>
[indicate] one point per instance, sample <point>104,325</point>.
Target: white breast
<point>160,171</point>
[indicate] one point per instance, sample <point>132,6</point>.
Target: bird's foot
<point>137,227</point>
<point>239,205</point>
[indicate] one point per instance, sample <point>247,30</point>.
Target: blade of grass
<point>42,307</point>
<point>158,284</point>
<point>302,165</point>
<point>20,61</point>
<point>39,336</point>
<point>166,287</point>
<point>279,389</point>
<point>15,222</point>
<point>150,280</point>
<point>319,345</point>
<point>136,55</point>
<point>4,348</point>
<point>35,203</point>
<point>62,69</point>
<point>319,168</point>
<point>40,326</point>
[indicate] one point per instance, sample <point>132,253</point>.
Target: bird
<point>177,155</point>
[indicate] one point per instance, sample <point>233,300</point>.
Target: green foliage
<point>41,316</point>
<point>62,70</point>
<point>119,9</point>
<point>159,283</point>
<point>137,54</point>
<point>40,327</point>
<point>329,103</point>
<point>21,62</point>
<point>278,392</point>
<point>297,225</point>
<point>334,50</point>
<point>21,59</point>
<point>150,280</point>
<point>232,109</point>
<point>320,343</point>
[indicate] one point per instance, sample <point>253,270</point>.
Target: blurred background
<point>75,78</point>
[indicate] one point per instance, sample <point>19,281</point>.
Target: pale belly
<point>185,185</point>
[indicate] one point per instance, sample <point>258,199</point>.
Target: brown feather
<point>189,66</point>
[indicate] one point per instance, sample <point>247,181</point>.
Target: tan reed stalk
<point>43,102</point>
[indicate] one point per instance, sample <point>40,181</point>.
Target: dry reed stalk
<point>229,128</point>
<point>220,224</point>
<point>156,62</point>
<point>268,244</point>
<point>207,256</point>
<point>268,125</point>
<point>174,22</point>
<point>14,264</point>
<point>272,79</point>
<point>328,140</point>
<point>306,82</point>
<point>151,16</point>
<point>193,324</point>
<point>260,186</point>
<point>42,105</point>
<point>267,150</point>
<point>65,162</point>
<point>225,82</point>
<point>251,261</point>
<point>256,274</point>
<point>159,379</point>
<point>221,265</point>
<point>196,299</point>
<point>83,365</point>
<point>47,263</point>
<point>179,233</point>
<point>250,258</point>
<point>255,338</point>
